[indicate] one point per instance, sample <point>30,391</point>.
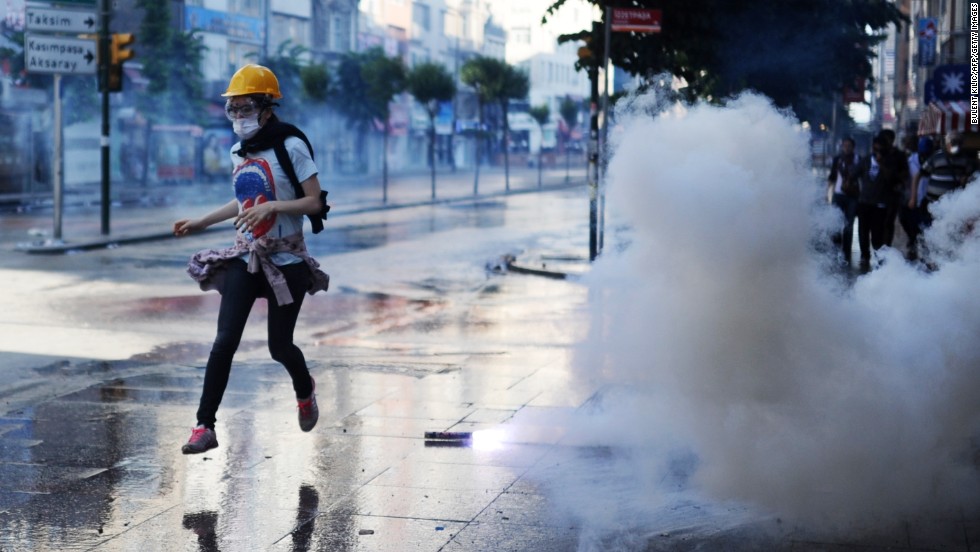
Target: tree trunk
<point>384,165</point>
<point>478,138</point>
<point>147,135</point>
<point>568,157</point>
<point>504,107</point>
<point>540,152</point>
<point>432,150</point>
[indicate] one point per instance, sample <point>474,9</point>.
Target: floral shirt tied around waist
<point>207,266</point>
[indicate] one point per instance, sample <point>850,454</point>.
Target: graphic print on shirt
<point>254,185</point>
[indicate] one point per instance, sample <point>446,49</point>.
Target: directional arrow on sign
<point>60,20</point>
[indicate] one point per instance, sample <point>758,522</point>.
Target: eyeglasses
<point>242,111</point>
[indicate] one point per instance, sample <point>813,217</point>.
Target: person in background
<point>269,258</point>
<point>213,156</point>
<point>842,180</point>
<point>895,187</point>
<point>875,176</point>
<point>910,215</point>
<point>946,170</point>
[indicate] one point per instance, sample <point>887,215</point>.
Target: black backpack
<point>282,156</point>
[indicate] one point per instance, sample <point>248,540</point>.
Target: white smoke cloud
<point>717,330</point>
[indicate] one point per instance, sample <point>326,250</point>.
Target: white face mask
<point>245,128</point>
<point>954,149</point>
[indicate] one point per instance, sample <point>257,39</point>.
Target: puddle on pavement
<point>184,304</point>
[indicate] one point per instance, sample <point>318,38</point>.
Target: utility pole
<point>591,62</point>
<point>58,162</point>
<point>594,163</point>
<point>104,63</point>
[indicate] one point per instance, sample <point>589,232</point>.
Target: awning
<point>940,117</point>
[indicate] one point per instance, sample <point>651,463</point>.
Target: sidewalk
<point>147,214</point>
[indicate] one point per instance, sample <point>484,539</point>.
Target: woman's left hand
<point>251,216</point>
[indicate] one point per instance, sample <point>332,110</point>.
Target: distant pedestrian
<point>947,170</point>
<point>875,181</point>
<point>213,158</point>
<point>897,173</point>
<point>269,258</point>
<point>911,214</point>
<point>843,181</point>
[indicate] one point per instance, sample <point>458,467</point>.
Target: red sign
<point>855,93</point>
<point>636,20</point>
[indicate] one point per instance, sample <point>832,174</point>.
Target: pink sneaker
<point>308,411</point>
<point>202,439</point>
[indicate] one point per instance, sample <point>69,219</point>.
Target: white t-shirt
<point>259,178</point>
<point>839,185</point>
<point>914,168</point>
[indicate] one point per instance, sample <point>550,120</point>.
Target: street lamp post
<point>594,163</point>
<point>104,54</point>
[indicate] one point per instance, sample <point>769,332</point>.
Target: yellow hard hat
<point>253,79</point>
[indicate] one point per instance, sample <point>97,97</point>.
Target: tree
<point>350,97</point>
<point>288,67</point>
<point>515,86</point>
<point>316,83</point>
<point>172,67</point>
<point>486,76</point>
<point>495,81</point>
<point>367,82</point>
<point>569,113</point>
<point>431,84</point>
<point>299,81</point>
<point>789,50</point>
<point>540,114</point>
<point>385,78</point>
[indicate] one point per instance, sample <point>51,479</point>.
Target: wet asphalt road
<point>102,355</point>
<point>419,332</point>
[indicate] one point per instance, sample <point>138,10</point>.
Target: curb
<point>512,267</point>
<point>511,263</point>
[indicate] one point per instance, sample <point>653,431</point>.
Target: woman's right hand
<point>185,226</point>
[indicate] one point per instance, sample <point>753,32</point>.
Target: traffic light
<point>119,52</point>
<point>121,43</point>
<point>585,52</point>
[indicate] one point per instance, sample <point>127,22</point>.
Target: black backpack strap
<point>282,156</point>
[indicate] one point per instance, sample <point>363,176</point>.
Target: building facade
<point>931,82</point>
<point>447,32</point>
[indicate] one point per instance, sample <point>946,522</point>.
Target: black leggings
<point>241,289</point>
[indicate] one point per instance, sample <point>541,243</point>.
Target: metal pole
<point>104,141</point>
<point>603,143</point>
<point>58,161</point>
<point>265,34</point>
<point>593,164</point>
<point>605,84</point>
<point>452,131</point>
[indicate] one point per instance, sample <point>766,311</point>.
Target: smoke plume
<point>719,336</point>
